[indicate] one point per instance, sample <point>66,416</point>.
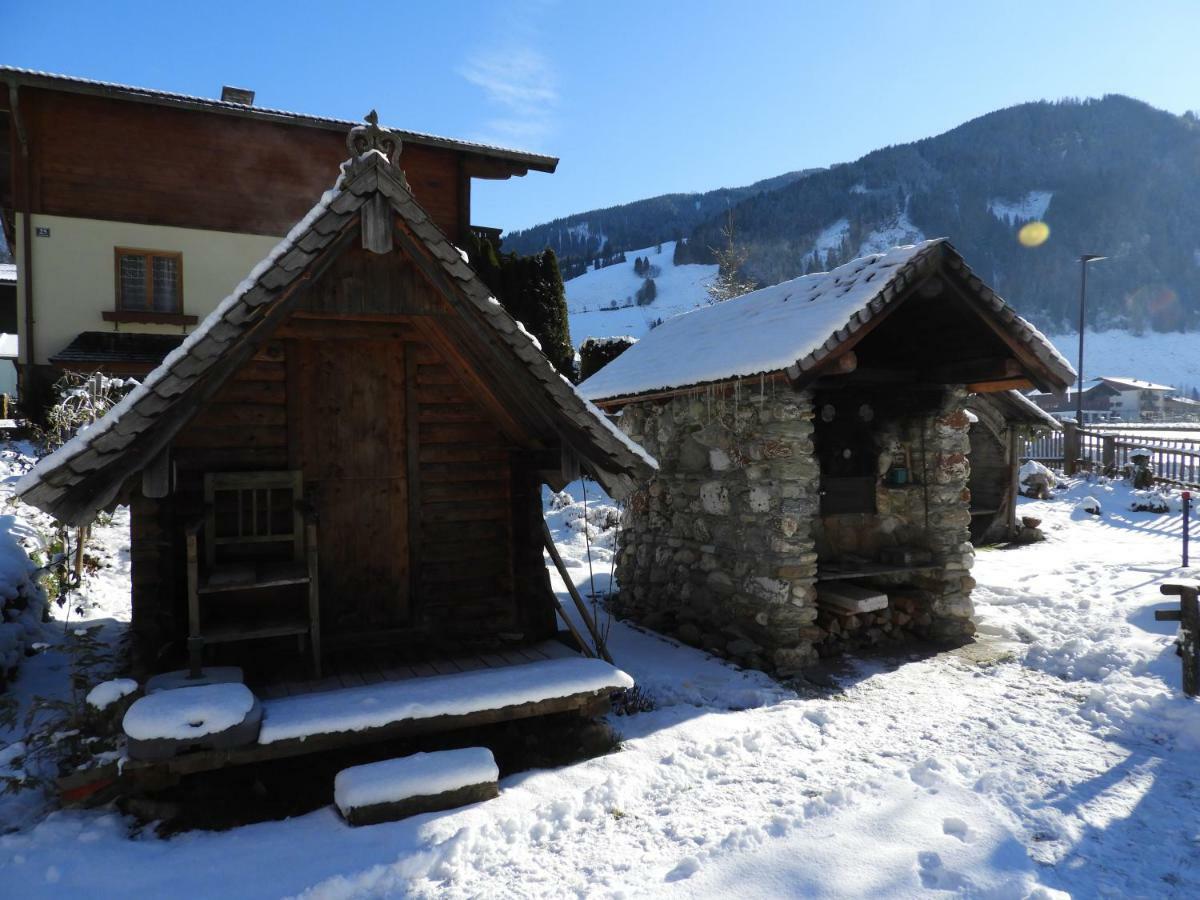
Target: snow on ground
<point>1054,756</point>
<point>1168,358</point>
<point>897,232</point>
<point>830,240</point>
<point>1031,207</point>
<point>680,288</point>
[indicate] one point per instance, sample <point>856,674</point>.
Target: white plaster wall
<point>74,279</point>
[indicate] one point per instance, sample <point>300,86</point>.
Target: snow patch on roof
<point>8,272</point>
<point>1125,383</point>
<point>763,331</point>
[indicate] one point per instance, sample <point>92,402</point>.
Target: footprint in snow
<point>688,866</point>
<point>936,877</point>
<point>956,828</point>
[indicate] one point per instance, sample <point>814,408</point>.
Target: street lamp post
<point>1084,259</point>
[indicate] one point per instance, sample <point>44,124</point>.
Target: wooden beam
<point>341,329</point>
<point>412,425</point>
<point>716,387</point>
<point>1003,384</point>
<point>156,477</point>
<point>552,549</point>
<point>377,224</point>
<point>991,368</point>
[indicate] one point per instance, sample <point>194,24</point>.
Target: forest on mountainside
<point>1112,176</point>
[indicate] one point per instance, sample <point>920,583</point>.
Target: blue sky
<point>636,99</point>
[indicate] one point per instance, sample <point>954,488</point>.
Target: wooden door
<point>351,445</point>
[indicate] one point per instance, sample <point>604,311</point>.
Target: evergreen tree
<point>531,289</point>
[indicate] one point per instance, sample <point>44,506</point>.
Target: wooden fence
<point>1176,461</point>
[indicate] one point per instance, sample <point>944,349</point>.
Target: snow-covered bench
<point>424,782</point>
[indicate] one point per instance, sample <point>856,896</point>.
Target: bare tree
<point>728,282</point>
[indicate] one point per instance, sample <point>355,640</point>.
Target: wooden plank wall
<point>164,166</point>
<point>477,541</point>
<point>465,573</point>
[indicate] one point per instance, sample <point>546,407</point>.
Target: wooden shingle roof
<point>88,474</point>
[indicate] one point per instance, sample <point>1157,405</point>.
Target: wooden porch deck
<point>364,667</point>
<point>362,671</point>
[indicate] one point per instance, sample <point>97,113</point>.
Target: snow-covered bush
<point>80,401</point>
<point>22,601</point>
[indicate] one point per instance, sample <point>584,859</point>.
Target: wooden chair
<point>258,533</point>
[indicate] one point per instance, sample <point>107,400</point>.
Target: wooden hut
<point>812,442</point>
<point>1000,423</point>
<point>348,453</point>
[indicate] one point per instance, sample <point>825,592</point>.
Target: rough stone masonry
<point>721,547</point>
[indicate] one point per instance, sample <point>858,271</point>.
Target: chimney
<point>243,96</point>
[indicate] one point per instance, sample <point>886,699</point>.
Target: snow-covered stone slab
<point>424,782</point>
<point>377,705</point>
<point>210,717</point>
<point>850,599</point>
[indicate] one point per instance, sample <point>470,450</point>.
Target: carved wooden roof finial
<point>363,138</point>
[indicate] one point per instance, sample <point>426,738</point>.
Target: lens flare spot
<point>1033,234</point>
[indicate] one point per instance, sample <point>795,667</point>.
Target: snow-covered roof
<point>1017,409</point>
<point>1125,383</point>
<point>795,325</point>
<point>87,473</point>
<point>8,273</point>
<point>8,346</point>
<point>18,75</point>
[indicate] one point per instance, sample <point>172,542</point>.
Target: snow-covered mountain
<point>592,295</point>
<point>1112,176</point>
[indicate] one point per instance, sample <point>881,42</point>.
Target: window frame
<point>149,314</point>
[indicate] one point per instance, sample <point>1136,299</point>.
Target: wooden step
<point>849,599</point>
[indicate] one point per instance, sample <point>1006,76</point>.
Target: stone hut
<point>814,449</point>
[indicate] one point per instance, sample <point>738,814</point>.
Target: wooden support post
<point>1188,617</point>
<point>314,595</point>
<point>195,641</point>
<point>1070,446</point>
<point>579,604</point>
<point>1014,468</point>
<point>1108,453</point>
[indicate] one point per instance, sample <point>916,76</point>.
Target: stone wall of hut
<point>721,548</point>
